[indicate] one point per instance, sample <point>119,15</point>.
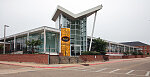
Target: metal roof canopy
<point>63,11</point>
<point>33,31</point>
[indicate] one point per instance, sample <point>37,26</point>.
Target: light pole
<point>4,37</point>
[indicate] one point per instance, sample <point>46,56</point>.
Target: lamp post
<point>4,37</point>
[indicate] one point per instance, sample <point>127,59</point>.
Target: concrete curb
<point>72,65</point>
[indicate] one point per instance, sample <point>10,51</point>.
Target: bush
<point>147,53</point>
<point>140,53</point>
<point>93,53</point>
<point>90,53</point>
<point>126,53</point>
<point>102,52</point>
<point>134,53</point>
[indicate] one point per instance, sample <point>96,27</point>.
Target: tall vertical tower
<point>78,27</point>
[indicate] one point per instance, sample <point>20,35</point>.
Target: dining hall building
<point>69,36</point>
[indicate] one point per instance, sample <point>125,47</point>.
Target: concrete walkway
<point>35,65</point>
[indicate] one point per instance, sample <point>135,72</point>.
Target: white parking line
<point>147,74</point>
<point>114,70</point>
<point>101,70</point>
<point>130,72</point>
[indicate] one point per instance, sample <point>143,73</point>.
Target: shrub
<point>102,52</point>
<point>126,53</point>
<point>90,53</point>
<point>134,53</point>
<point>93,53</point>
<point>140,53</point>
<point>147,53</point>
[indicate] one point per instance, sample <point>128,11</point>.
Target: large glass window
<point>78,35</point>
<point>52,42</point>
<point>37,36</point>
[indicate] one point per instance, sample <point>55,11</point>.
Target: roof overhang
<point>63,11</point>
<point>32,31</point>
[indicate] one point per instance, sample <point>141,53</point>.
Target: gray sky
<point>118,21</point>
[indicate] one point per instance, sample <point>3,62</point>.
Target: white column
<point>14,43</point>
<point>118,49</point>
<point>124,49</point>
<point>129,49</point>
<point>60,25</point>
<point>92,32</point>
<point>44,40</point>
<point>28,36</point>
<point>109,48</point>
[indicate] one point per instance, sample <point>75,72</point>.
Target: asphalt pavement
<point>131,68</point>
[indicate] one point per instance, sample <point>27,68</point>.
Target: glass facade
<point>52,42</point>
<point>37,36</point>
<point>78,34</point>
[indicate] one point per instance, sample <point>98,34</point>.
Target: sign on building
<point>65,41</point>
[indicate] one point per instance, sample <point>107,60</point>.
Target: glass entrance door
<point>75,50</point>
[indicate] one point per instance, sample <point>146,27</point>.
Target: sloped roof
<point>136,43</point>
<point>61,10</point>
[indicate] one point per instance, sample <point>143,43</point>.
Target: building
<point>7,47</point>
<point>114,48</point>
<point>52,41</point>
<point>48,36</point>
<point>145,47</point>
<point>51,37</point>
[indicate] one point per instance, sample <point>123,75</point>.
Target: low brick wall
<point>128,57</point>
<point>94,57</point>
<point>133,56</point>
<point>64,60</point>
<point>37,58</point>
<point>115,57</point>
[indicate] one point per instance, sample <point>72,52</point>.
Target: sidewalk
<point>35,65</point>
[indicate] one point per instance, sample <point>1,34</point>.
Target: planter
<point>128,57</point>
<point>106,57</point>
<point>90,58</point>
<point>143,56</point>
<point>138,56</point>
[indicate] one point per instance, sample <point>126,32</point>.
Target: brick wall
<point>91,57</point>
<point>146,48</point>
<point>115,57</point>
<point>37,58</point>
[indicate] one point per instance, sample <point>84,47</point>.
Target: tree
<point>99,45</point>
<point>33,43</point>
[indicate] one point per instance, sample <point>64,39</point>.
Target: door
<point>75,50</point>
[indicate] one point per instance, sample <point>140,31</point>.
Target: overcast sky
<point>118,21</point>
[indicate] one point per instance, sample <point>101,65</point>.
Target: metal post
<point>14,43</point>
<point>124,49</point>
<point>109,48</point>
<point>118,49</point>
<point>129,49</point>
<point>4,37</point>
<point>44,40</point>
<point>92,31</point>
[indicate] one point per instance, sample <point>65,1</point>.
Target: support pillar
<point>124,49</point>
<point>44,40</point>
<point>118,49</point>
<point>92,31</point>
<point>14,43</point>
<point>109,48</point>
